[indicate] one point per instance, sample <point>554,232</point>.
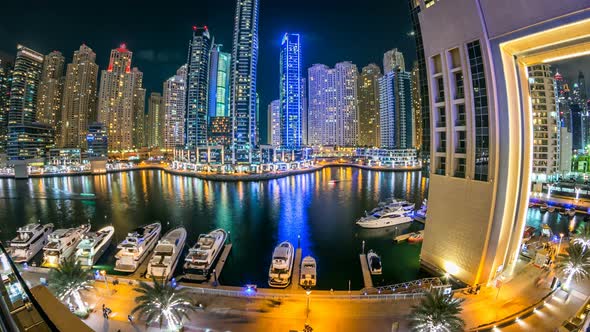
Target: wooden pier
<point>366,273</point>
<point>220,264</point>
<point>405,237</point>
<point>296,270</point>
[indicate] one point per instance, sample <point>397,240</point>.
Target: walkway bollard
<point>298,241</point>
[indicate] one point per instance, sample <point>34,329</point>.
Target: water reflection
<point>258,215</point>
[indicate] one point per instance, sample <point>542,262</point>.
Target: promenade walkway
<point>330,311</point>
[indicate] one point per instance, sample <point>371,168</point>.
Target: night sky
<point>332,31</point>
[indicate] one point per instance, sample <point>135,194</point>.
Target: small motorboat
<point>374,262</point>
<point>308,274</point>
<point>416,237</point>
<point>29,240</point>
<point>529,232</point>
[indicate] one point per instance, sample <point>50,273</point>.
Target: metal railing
<point>413,287</point>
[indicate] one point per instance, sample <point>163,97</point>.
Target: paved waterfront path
<point>220,264</point>
<point>366,273</point>
<point>296,270</point>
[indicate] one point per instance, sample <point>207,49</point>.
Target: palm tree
<point>437,312</point>
<point>575,265</point>
<point>162,301</point>
<point>68,280</point>
<point>583,237</point>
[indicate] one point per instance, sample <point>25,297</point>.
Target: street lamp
<point>307,292</point>
<point>559,246</point>
<point>103,273</point>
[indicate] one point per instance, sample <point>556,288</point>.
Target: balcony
<point>460,123</point>
<point>441,124</point>
<point>460,150</point>
<point>440,171</point>
<point>442,150</point>
<point>460,94</point>
<point>440,99</point>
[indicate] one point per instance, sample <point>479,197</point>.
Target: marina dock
<point>220,264</point>
<point>366,273</point>
<point>296,270</point>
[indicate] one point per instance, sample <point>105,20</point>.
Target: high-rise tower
<point>395,113</point>
<point>120,90</point>
<point>393,59</point>
<point>79,99</point>
<point>26,138</point>
<point>219,79</point>
<point>333,105</point>
<point>290,91</point>
<point>368,98</point>
<point>174,109</point>
<point>197,88</point>
<point>243,80</point>
<point>5,82</point>
<point>50,90</point>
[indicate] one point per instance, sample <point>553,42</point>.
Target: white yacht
<point>281,268</point>
<point>201,257</point>
<point>135,248</point>
<point>384,219</point>
<point>93,245</point>
<point>61,244</point>
<point>166,255</point>
<point>308,274</point>
<point>374,262</point>
<point>29,240</point>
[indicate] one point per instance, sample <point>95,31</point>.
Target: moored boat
<point>551,209</point>
<point>29,240</point>
<point>374,262</point>
<point>61,244</point>
<point>93,246</point>
<point>546,230</point>
<point>416,237</point>
<point>384,219</point>
<point>308,274</point>
<point>281,267</point>
<point>198,264</point>
<point>571,212</point>
<point>166,254</point>
<point>135,248</point>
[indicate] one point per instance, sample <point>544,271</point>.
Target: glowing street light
<point>103,273</point>
<point>577,189</point>
<point>559,246</point>
<point>549,188</point>
<point>307,292</point>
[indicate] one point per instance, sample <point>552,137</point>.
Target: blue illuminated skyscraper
<point>291,103</point>
<point>243,81</point>
<point>197,86</point>
<point>219,72</point>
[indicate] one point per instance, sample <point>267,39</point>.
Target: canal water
<point>259,215</point>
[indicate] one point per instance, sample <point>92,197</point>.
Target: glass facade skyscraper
<point>291,103</point>
<point>219,73</point>
<point>243,81</point>
<point>197,86</point>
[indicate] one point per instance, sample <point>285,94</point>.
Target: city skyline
<point>160,49</point>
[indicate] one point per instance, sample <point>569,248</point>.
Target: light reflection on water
<point>259,215</point>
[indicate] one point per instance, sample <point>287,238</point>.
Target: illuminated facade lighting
<point>290,91</point>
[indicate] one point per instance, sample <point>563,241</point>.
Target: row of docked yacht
<point>136,247</point>
<point>166,254</point>
<point>93,245</point>
<point>61,244</point>
<point>201,257</point>
<point>29,240</point>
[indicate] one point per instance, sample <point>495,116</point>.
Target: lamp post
<point>307,292</point>
<point>559,246</point>
<point>103,273</point>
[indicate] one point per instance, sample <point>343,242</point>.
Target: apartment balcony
<point>460,123</point>
<point>441,124</point>
<point>461,150</point>
<point>441,150</point>
<point>439,171</point>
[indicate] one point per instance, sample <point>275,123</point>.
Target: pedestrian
<point>130,319</point>
<point>103,307</point>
